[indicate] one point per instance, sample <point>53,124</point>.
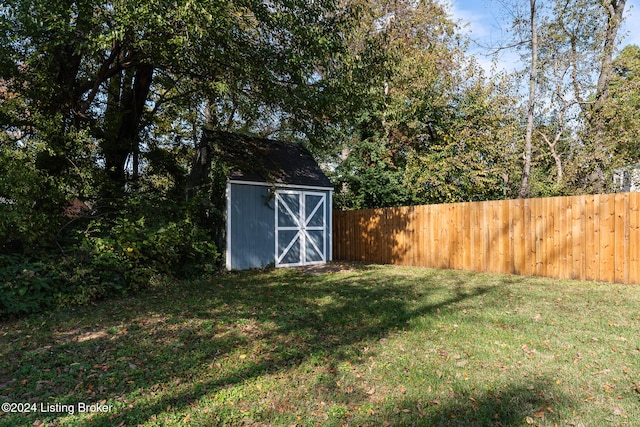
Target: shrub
<point>26,285</point>
<point>110,254</point>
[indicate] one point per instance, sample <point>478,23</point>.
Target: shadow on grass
<point>168,349</point>
<point>536,403</point>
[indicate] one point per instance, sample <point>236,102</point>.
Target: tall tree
<point>586,33</point>
<point>570,68</point>
<point>97,96</point>
<point>103,68</point>
<point>413,141</point>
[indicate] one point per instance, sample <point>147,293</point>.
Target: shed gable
<point>265,160</point>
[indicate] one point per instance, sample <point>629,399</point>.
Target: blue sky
<point>486,23</point>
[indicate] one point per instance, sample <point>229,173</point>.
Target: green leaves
<point>430,127</point>
<point>26,285</point>
<point>104,101</point>
<point>621,109</point>
<point>119,253</point>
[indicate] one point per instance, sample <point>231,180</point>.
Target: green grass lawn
<point>375,346</point>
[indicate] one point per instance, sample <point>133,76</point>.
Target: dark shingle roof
<point>259,159</point>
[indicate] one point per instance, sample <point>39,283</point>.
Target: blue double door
<point>301,228</point>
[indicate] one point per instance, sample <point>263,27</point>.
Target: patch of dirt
<point>330,267</point>
<point>81,336</point>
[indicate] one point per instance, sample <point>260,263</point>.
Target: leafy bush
<point>26,285</point>
<point>114,253</point>
<point>29,285</point>
<point>167,247</point>
<point>25,204</point>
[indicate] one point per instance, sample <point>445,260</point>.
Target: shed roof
<point>265,160</point>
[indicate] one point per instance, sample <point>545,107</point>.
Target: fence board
<point>526,227</point>
<point>452,226</point>
<point>459,253</point>
<point>619,238</point>
<point>393,230</point>
<point>406,254</point>
<point>568,238</point>
<point>431,241</point>
<point>466,235</point>
<point>521,255</point>
<point>548,262</point>
<point>505,235</point>
<point>418,236</point>
<point>362,246</point>
<point>554,205</point>
<point>401,233</point>
<point>434,238</point>
<point>591,260</point>
<point>606,231</point>
<point>595,237</point>
<point>577,232</point>
<point>474,231</point>
<point>499,236</point>
<point>385,250</point>
<point>607,238</point>
<point>443,242</point>
<point>559,250</point>
<point>627,244</point>
<point>536,232</point>
<point>411,237</point>
<point>634,238</point>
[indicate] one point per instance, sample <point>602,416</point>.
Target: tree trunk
<point>556,157</point>
<point>614,10</point>
<point>533,76</point>
<point>200,168</point>
<point>122,129</point>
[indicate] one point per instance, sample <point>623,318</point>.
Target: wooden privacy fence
<point>595,237</point>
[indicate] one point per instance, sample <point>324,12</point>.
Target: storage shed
<point>279,202</point>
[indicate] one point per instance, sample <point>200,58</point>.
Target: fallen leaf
<point>617,411</point>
